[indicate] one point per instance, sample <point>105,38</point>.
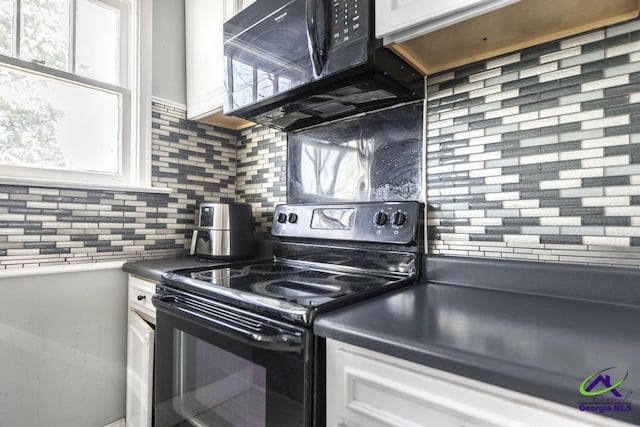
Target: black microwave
<point>291,64</point>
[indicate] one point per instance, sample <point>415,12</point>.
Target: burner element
<point>294,290</point>
<point>272,268</point>
<point>354,279</point>
<point>218,276</point>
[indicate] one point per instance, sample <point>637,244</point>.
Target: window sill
<point>34,182</point>
<point>67,268</point>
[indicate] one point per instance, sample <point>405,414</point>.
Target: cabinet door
<point>140,346</point>
<point>399,20</point>
<point>365,388</point>
<point>204,56</point>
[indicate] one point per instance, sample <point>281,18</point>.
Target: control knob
<point>381,218</point>
<point>399,218</point>
<point>293,218</point>
<point>282,218</point>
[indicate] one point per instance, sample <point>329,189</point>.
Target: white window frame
<point>135,122</point>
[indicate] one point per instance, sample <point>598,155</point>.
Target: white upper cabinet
<point>205,59</point>
<point>436,36</point>
<point>400,20</point>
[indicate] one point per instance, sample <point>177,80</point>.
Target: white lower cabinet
<point>140,349</point>
<point>370,389</point>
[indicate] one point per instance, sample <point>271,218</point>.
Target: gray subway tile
<point>501,129</point>
<point>531,133</point>
<point>622,130</point>
<point>580,211</point>
<point>622,110</point>
<point>458,143</point>
<point>504,78</point>
<point>585,230</point>
<point>562,240</point>
<point>541,195</point>
<point>520,100</point>
<point>606,220</point>
<point>454,221</point>
<point>487,238</point>
<point>582,192</point>
<point>500,213</point>
<point>502,230</point>
<point>481,108</point>
<point>606,181</point>
<point>582,59</point>
<point>540,230</point>
<point>485,124</point>
<point>606,43</point>
<point>468,118</point>
<point>568,127</point>
<point>539,140</point>
<point>581,135</point>
<point>501,162</point>
<point>528,81</point>
<point>520,65</point>
<point>521,221</point>
<point>485,205</point>
<point>605,63</point>
<point>622,89</point>
<point>539,176</point>
<point>581,97</point>
<point>605,102</point>
<point>582,78</point>
<point>555,94</point>
<point>482,189</point>
<point>540,87</point>
<point>468,70</point>
<point>561,202</point>
<point>468,102</point>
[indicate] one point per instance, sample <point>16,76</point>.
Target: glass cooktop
<point>299,284</point>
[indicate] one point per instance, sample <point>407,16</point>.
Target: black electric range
<point>255,317</point>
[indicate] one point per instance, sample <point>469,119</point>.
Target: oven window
<point>205,378</point>
<point>216,387</point>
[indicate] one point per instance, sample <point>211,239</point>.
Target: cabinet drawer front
<point>366,388</point>
<point>140,293</point>
<point>376,394</point>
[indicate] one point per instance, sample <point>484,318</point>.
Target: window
<point>74,99</point>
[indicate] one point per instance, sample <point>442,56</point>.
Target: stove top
<point>308,278</point>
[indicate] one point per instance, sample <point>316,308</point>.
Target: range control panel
<point>379,222</point>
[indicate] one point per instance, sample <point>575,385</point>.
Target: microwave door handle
<point>287,342</point>
<point>312,37</point>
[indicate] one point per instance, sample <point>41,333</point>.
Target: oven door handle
<point>286,341</point>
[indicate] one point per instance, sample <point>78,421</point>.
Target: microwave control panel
<point>349,20</point>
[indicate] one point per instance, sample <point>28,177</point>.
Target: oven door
<point>217,365</point>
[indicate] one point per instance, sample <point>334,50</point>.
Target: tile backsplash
<point>536,155</point>
<point>262,174</point>
<point>49,226</point>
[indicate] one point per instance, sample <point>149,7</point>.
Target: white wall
<point>63,349</point>
<point>169,81</point>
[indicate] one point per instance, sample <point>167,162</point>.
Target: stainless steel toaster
<point>225,231</point>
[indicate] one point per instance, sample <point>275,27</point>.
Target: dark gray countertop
<point>153,269</point>
<point>540,343</point>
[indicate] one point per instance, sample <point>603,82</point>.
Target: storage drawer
<point>140,293</point>
<point>365,388</point>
